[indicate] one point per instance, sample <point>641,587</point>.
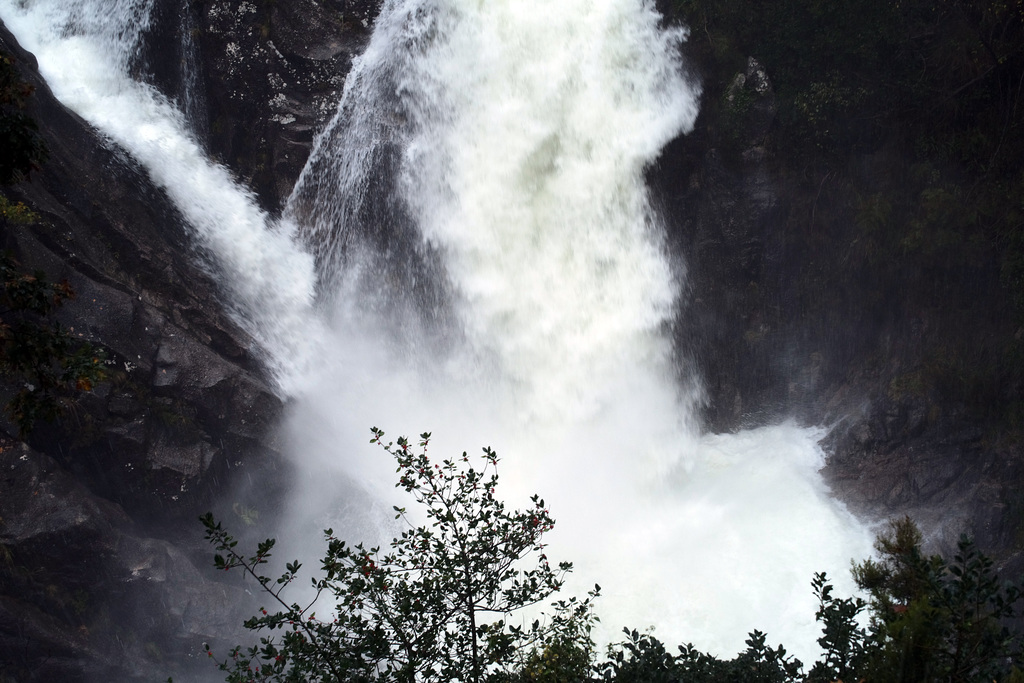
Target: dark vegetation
<point>435,606</point>
<point>24,150</point>
<point>445,601</point>
<point>897,141</point>
<point>48,363</point>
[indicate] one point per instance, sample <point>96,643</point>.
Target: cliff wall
<point>791,311</point>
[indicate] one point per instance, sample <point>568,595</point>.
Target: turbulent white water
<point>491,270</point>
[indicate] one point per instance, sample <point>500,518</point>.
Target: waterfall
<point>500,149</point>
<point>471,251</point>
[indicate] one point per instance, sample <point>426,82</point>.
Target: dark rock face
<point>184,390</point>
<point>914,455</point>
<point>784,321</point>
<point>720,206</point>
<point>86,595</point>
<point>259,77</point>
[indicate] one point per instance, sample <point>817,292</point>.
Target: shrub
<point>43,357</point>
<point>440,604</point>
<point>437,605</point>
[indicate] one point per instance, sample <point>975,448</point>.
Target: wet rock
<point>84,595</point>
<point>720,204</point>
<point>777,323</point>
<point>273,74</point>
<point>188,460</point>
<point>751,103</point>
<point>98,514</point>
<point>887,461</point>
<point>180,372</point>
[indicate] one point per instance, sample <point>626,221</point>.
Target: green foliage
<point>563,652</point>
<point>843,640</point>
<point>934,619</point>
<point>16,213</point>
<point>642,658</point>
<point>561,661</point>
<point>42,356</point>
<point>437,605</point>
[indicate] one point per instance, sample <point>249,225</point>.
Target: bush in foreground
<point>435,606</point>
<point>444,603</point>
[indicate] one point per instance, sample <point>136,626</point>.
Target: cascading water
<point>490,269</point>
<point>523,135</point>
<point>192,98</point>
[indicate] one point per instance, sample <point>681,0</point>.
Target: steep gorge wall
<point>100,578</point>
<point>796,308</point>
<point>98,511</point>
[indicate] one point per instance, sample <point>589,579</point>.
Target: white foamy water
<point>525,129</point>
<point>502,144</point>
